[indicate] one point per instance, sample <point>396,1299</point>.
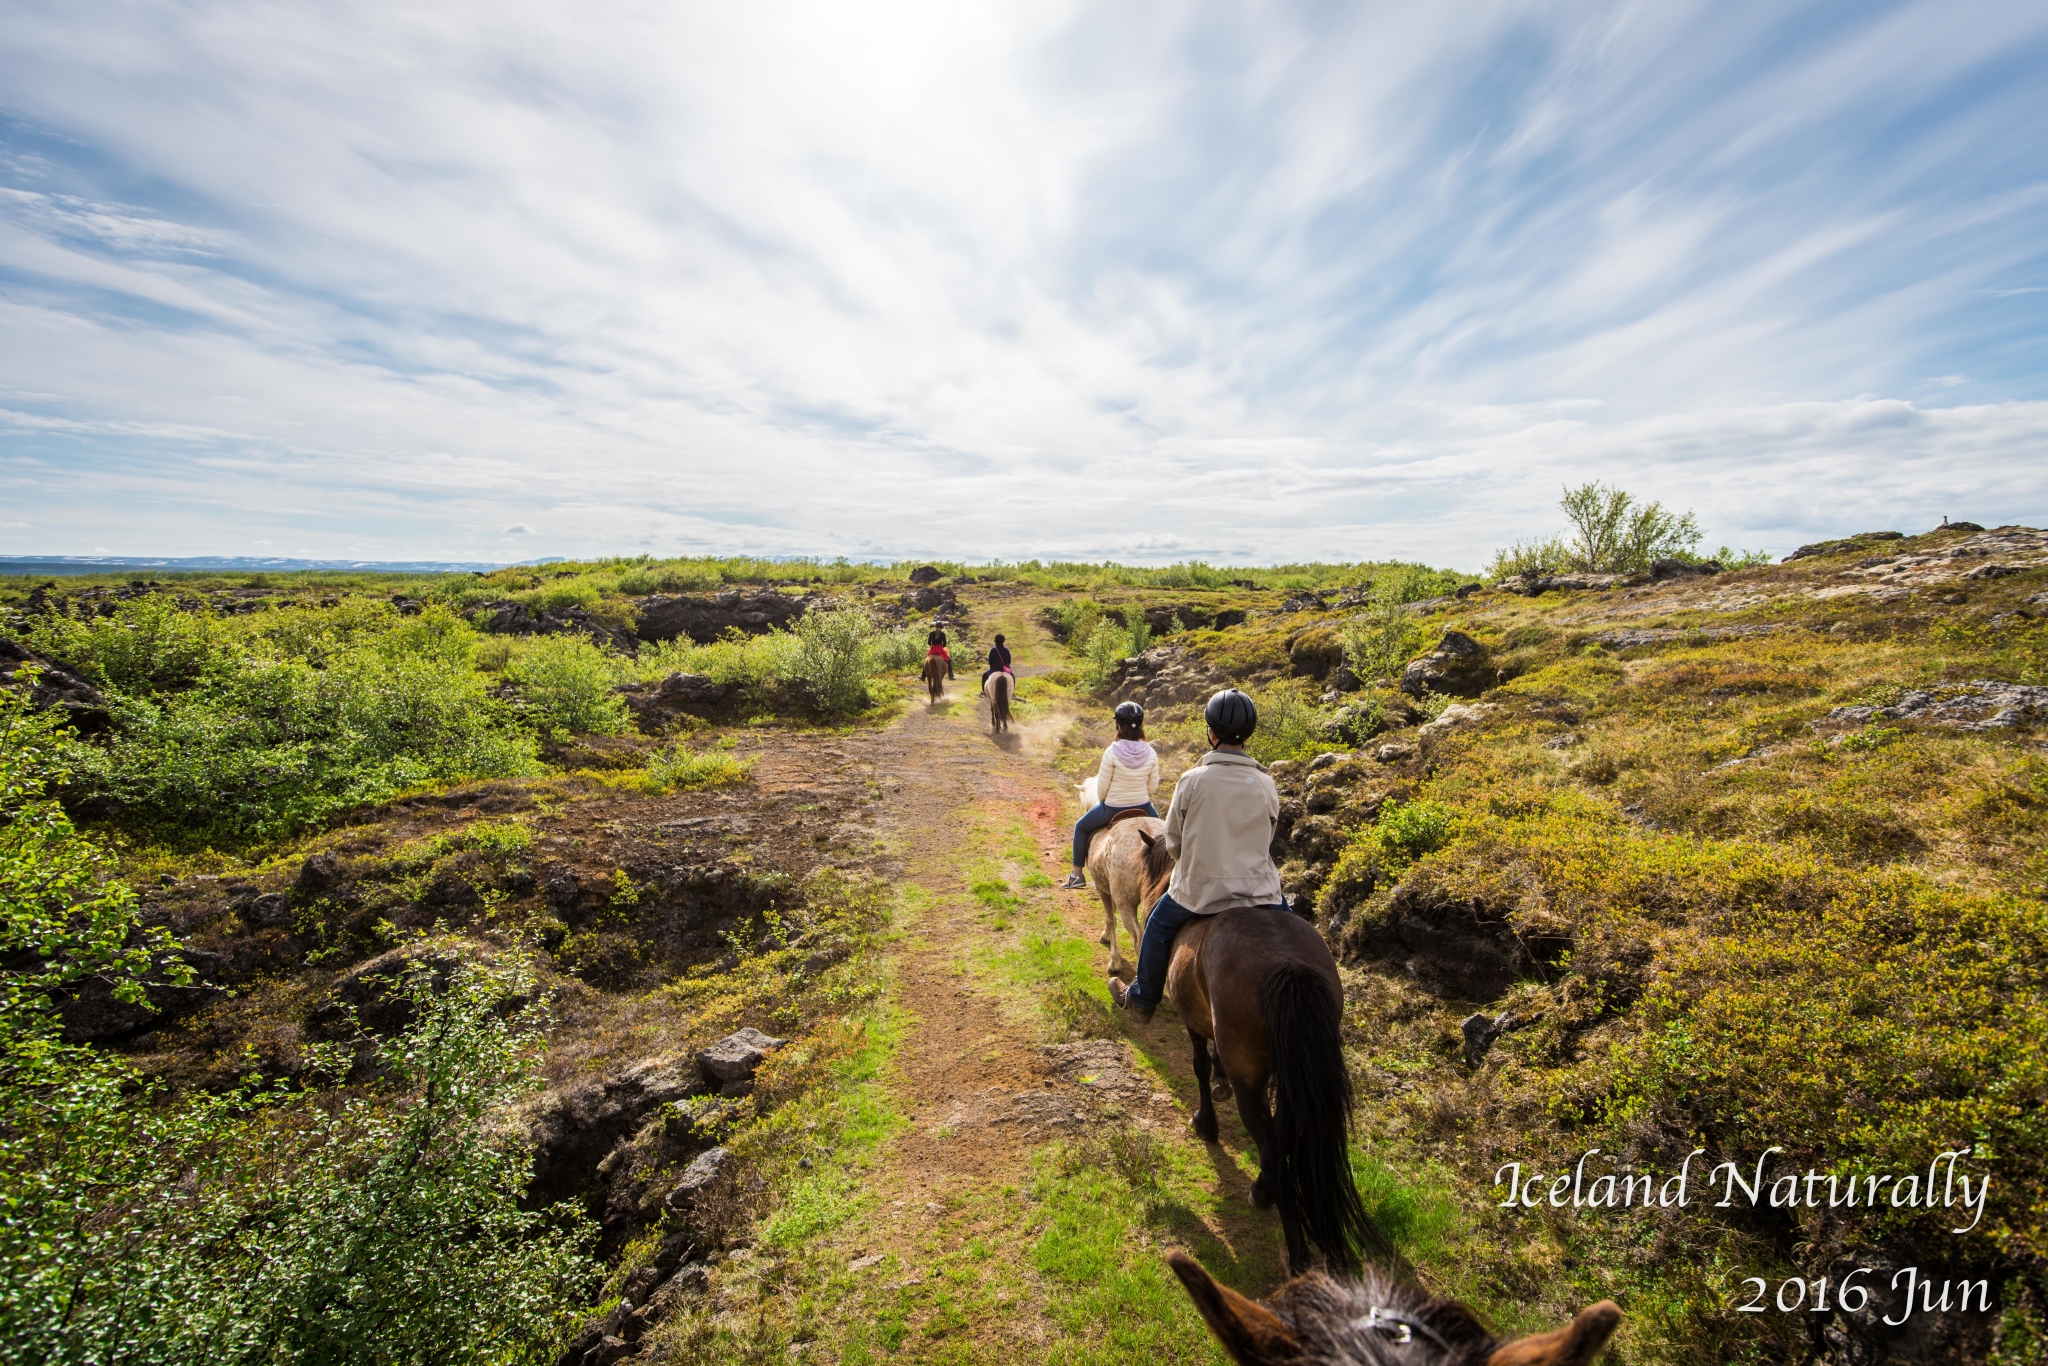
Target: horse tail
<point>1312,1115</point>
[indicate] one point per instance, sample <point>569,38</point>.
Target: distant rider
<point>999,662</point>
<point>937,641</point>
<point>1128,777</point>
<point>1220,828</point>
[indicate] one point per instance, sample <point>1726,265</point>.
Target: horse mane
<point>1334,1320</point>
<point>1156,869</point>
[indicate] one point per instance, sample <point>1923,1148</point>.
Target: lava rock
<point>928,573</point>
<point>319,875</point>
<point>55,688</point>
<point>736,1056</point>
<point>1664,569</point>
<point>694,689</point>
<point>706,618</point>
<point>1457,666</point>
<point>271,910</point>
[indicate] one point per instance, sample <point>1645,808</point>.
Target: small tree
<point>1614,534</point>
<point>1376,640</point>
<point>832,657</point>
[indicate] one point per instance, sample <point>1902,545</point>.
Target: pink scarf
<point>1131,753</point>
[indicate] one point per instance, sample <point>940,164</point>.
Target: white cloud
<point>1143,280</point>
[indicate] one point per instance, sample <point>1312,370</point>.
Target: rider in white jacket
<point>1125,781</point>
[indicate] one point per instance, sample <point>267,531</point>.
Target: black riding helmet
<point>1129,711</point>
<point>1232,716</point>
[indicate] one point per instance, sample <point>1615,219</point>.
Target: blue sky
<point>1144,281</point>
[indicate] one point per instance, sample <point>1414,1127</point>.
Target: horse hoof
<point>1205,1126</point>
<point>1220,1087</point>
<point>1106,942</point>
<point>1261,1197</point>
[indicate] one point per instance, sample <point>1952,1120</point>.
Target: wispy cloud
<point>1270,284</point>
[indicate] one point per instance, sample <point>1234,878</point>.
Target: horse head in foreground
<point>1316,1321</point>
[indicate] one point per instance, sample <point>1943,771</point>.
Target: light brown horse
<point>999,685</point>
<point>935,676</point>
<point>1376,1321</point>
<point>1116,870</point>
<point>1261,985</point>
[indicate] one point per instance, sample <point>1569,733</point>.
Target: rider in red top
<point>937,641</point>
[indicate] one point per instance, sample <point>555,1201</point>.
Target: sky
<point>1251,283</point>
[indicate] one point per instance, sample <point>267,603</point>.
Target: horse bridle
<point>1397,1327</point>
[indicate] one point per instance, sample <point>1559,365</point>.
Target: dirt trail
<point>978,1074</point>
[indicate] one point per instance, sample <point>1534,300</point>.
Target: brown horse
<point>1116,870</point>
<point>1315,1321</point>
<point>1261,985</point>
<point>935,676</point>
<point>999,685</point>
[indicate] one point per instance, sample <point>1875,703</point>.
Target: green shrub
<point>148,646</point>
<point>832,657</point>
<point>1406,832</point>
<point>1289,725</point>
<point>895,651</point>
<point>1378,641</point>
<point>270,747</point>
<point>567,684</point>
<point>676,768</point>
<point>261,1225</point>
<point>1074,621</point>
<point>1106,647</point>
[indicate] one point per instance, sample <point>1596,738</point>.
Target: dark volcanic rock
<point>926,599</point>
<point>92,1014</point>
<point>694,689</point>
<point>55,687</point>
<point>1457,666</point>
<point>1451,944</point>
<point>929,573</point>
<point>319,875</point>
<point>1682,569</point>
<point>706,618</point>
<point>516,619</point>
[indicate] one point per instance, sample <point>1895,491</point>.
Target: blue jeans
<point>1095,820</point>
<point>1155,951</point>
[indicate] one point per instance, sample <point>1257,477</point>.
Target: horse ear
<point>1247,1329</point>
<point>1575,1344</point>
<point>1146,835</point>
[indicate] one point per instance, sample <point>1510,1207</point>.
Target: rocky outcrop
<point>1867,540</point>
<point>1457,667</point>
<point>1315,652</point>
<point>1661,570</point>
<point>705,618</point>
<point>1455,717</point>
<point>517,619</point>
<point>924,574</point>
<point>1984,704</point>
<point>929,599</point>
<point>91,1013</point>
<point>55,688</point>
<point>1457,946</point>
<point>1530,585</point>
<point>1163,675</point>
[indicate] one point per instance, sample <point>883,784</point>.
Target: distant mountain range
<point>116,564</point>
